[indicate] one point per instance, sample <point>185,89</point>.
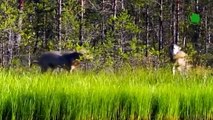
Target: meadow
<point>138,94</point>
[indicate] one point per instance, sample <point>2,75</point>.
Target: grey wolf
<point>180,59</point>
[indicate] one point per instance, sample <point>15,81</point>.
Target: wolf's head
<point>176,49</point>
<point>173,50</point>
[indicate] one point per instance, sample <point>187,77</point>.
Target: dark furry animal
<point>68,61</point>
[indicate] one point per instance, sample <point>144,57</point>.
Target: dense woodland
<point>116,32</point>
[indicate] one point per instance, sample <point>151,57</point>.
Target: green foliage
<point>141,3</point>
<point>112,38</point>
<point>192,53</point>
<point>153,51</point>
<point>124,23</point>
<point>8,15</point>
<point>137,94</point>
<point>113,46</point>
<point>207,59</point>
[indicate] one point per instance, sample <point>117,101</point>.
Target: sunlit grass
<point>130,94</point>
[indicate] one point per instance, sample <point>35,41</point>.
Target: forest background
<point>116,32</point>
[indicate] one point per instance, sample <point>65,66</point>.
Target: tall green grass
<point>129,94</point>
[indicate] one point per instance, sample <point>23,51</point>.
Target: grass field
<point>138,94</point>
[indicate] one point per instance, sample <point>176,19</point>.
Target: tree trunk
<point>160,26</point>
<point>115,42</point>
<point>59,25</point>
<point>176,22</point>
<point>114,16</point>
<point>115,8</point>
<point>19,24</point>
<point>122,39</point>
<point>81,29</point>
<point>2,53</point>
<point>10,47</point>
<point>44,28</point>
<point>2,48</point>
<point>185,25</point>
<point>103,22</point>
<point>209,38</point>
<point>196,28</point>
<point>175,9</point>
<point>207,32</point>
<point>147,31</point>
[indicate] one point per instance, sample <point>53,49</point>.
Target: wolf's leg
<point>44,69</point>
<point>67,66</point>
<point>173,69</point>
<point>72,68</point>
<point>181,70</point>
<point>74,65</point>
<point>186,69</point>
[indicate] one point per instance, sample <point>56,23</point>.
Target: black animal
<point>68,61</point>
